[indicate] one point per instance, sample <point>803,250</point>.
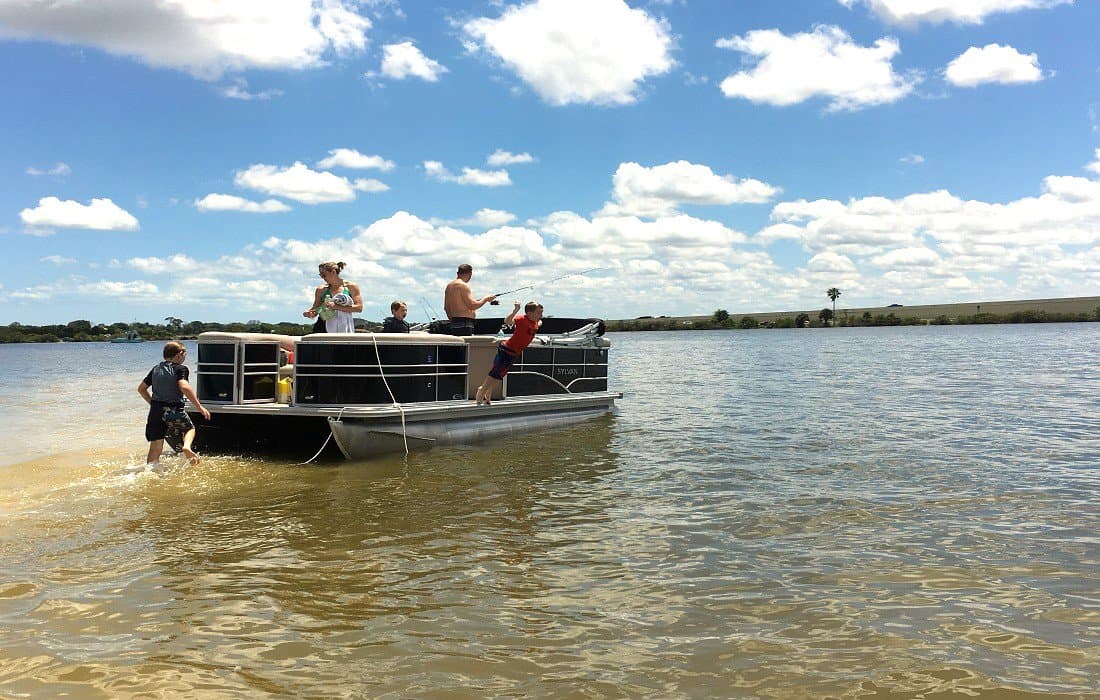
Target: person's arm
<point>143,389</point>
<point>186,390</point>
<point>511,317</point>
<point>475,304</point>
<point>311,312</point>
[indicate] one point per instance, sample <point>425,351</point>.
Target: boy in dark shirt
<point>526,326</point>
<point>397,322</point>
<point>167,420</point>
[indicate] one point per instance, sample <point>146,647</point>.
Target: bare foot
<point>191,457</point>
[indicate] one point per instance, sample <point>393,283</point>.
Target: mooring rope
<point>399,407</point>
<point>325,443</point>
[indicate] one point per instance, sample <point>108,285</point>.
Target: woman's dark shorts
<point>167,423</point>
<point>502,363</point>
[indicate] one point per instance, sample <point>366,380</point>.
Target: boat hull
<point>363,438</point>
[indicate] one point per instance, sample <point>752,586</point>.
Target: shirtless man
<point>459,303</point>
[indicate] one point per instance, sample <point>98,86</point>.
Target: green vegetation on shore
<point>721,319</point>
<point>173,329</point>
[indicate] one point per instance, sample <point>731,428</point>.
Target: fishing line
<point>494,302</point>
<point>428,306</point>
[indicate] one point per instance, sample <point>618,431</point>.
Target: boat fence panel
<point>349,373</point>
<point>259,371</point>
<point>217,372</point>
<point>558,370</point>
<point>237,370</point>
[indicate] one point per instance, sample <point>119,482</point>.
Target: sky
<point>197,159</point>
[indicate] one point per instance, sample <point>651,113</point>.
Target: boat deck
<point>426,410</point>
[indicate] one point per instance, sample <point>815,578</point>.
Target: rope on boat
<point>399,407</point>
<point>325,443</point>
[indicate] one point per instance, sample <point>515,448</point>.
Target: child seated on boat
<point>397,323</point>
<point>526,326</point>
<point>167,419</point>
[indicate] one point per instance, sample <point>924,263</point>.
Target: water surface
<point>821,513</point>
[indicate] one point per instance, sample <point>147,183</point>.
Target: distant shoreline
<point>1061,310</point>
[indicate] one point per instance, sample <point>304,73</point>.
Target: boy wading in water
<point>526,326</point>
<point>167,420</point>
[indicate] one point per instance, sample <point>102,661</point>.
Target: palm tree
<point>833,293</point>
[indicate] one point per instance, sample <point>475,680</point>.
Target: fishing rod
<point>428,306</point>
<point>494,302</point>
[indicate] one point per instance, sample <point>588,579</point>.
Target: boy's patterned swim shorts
<point>168,423</point>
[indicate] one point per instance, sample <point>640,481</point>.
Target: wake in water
<point>147,468</point>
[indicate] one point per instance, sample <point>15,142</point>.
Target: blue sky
<point>197,159</point>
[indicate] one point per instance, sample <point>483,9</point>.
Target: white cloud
<point>1094,166</point>
<point>58,260</point>
<point>39,293</point>
<point>907,257</point>
<point>237,89</point>
<point>500,158</point>
<point>912,159</point>
<point>957,11</point>
<point>577,51</point>
<point>404,60</point>
<point>687,257</point>
<point>824,62</point>
<point>470,176</point>
<point>59,170</point>
<point>100,215</point>
<point>488,218</point>
<point>256,295</point>
<point>778,232</point>
<point>173,263</point>
<point>676,236</point>
<point>203,37</point>
<point>106,288</point>
<point>658,190</point>
<point>369,184</point>
<point>353,159</point>
<point>229,202</point>
<point>831,263</point>
<point>949,236</point>
<point>300,183</point>
<point>419,243</point>
<point>993,63</point>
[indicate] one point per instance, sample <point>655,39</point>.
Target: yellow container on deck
<point>286,390</point>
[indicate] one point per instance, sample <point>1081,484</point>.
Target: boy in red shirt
<point>526,326</point>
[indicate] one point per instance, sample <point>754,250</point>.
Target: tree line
<point>722,319</point>
<point>172,329</point>
<point>828,318</point>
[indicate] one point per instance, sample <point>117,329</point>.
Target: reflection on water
<point>871,512</point>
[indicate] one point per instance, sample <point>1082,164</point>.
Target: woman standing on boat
<point>336,300</point>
